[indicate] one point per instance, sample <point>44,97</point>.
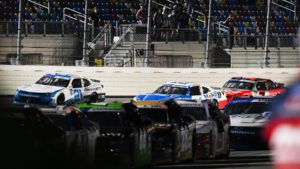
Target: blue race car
<point>248,117</point>
<point>184,90</point>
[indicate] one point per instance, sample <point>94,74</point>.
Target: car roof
<point>180,84</point>
<point>251,99</point>
<point>61,75</point>
<point>253,79</point>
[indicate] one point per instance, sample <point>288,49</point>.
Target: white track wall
<point>131,81</point>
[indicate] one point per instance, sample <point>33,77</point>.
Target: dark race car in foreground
<point>49,139</point>
<point>174,135</point>
<point>248,117</point>
<point>125,139</point>
<point>212,128</point>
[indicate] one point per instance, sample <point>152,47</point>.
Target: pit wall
<point>132,81</point>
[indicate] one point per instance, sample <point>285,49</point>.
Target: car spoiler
<point>278,85</point>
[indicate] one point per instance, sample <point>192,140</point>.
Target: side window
<point>205,90</point>
<point>86,83</point>
<point>271,85</point>
<point>195,91</point>
<point>261,86</point>
<point>76,83</point>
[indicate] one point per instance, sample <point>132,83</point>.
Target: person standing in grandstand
<point>230,23</point>
<point>183,23</point>
<point>173,24</point>
<point>141,14</point>
<point>157,23</point>
<point>165,23</point>
<point>95,18</point>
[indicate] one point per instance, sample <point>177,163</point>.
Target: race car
<point>125,139</point>
<point>250,86</point>
<point>174,134</point>
<point>54,139</point>
<point>212,128</point>
<point>184,90</point>
<point>248,117</point>
<point>58,89</point>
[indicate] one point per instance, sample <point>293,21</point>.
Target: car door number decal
<point>77,94</point>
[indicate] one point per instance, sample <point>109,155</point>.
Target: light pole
<point>19,34</point>
<point>267,36</point>
<point>148,33</point>
<point>85,58</point>
<point>208,36</point>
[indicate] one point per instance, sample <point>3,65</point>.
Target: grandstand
<point>54,36</point>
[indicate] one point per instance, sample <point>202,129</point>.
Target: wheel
<point>60,100</point>
<point>216,103</point>
<point>211,147</point>
<point>194,142</point>
<point>93,97</point>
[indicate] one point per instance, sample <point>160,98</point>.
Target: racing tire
<point>93,98</point>
<point>174,153</point>
<point>60,99</point>
<point>216,103</point>
<point>211,147</point>
<point>194,147</point>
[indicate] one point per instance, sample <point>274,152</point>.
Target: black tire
<point>93,98</point>
<point>194,146</point>
<point>216,103</point>
<point>60,99</point>
<point>211,146</point>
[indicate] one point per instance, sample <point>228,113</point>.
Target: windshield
<point>155,114</point>
<point>170,90</point>
<point>106,119</point>
<point>53,81</point>
<point>239,85</point>
<point>247,108</point>
<point>198,113</point>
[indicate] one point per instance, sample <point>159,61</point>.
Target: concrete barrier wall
<point>131,81</point>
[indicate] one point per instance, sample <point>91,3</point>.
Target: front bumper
<point>246,138</point>
<point>24,98</point>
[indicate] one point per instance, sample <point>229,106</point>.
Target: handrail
<point>82,15</point>
<point>41,5</point>
<point>222,27</point>
<point>119,41</point>
<point>99,36</point>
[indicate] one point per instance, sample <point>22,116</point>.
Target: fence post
<point>44,24</point>
<point>62,28</point>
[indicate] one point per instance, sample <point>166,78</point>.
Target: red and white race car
<point>251,86</point>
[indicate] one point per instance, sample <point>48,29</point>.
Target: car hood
<point>38,88</point>
<point>156,97</point>
<point>251,120</point>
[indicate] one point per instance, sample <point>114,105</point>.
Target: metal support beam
<point>84,52</point>
<point>267,36</point>
<point>19,34</point>
<point>208,36</point>
<point>148,40</point>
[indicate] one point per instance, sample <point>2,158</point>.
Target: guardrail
<point>131,81</point>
